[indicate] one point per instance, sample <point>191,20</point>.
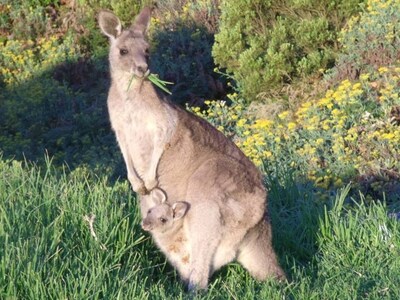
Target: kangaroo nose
<point>142,70</point>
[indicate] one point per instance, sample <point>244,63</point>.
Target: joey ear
<point>180,208</point>
<point>158,196</point>
<point>110,24</point>
<point>142,21</point>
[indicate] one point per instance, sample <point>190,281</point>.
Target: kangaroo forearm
<point>150,178</point>
<point>136,182</point>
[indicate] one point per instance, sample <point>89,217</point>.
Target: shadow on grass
<point>63,112</point>
<point>295,217</point>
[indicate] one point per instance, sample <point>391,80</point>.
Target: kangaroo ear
<point>142,21</point>
<point>180,208</point>
<point>158,196</point>
<point>109,24</point>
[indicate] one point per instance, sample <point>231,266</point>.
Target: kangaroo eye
<point>163,220</point>
<point>123,51</point>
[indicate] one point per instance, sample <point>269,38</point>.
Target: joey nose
<point>146,225</point>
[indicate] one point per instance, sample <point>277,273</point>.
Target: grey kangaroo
<point>167,147</point>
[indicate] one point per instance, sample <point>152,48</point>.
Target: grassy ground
<point>341,250</point>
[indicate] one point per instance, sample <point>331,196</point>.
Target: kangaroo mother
<point>165,146</point>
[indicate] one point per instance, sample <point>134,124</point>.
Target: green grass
<point>341,250</point>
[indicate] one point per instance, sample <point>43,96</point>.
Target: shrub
<point>350,134</point>
<point>266,44</point>
<point>370,40</point>
<point>25,20</point>
<point>204,13</point>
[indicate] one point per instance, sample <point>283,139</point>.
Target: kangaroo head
<point>128,47</point>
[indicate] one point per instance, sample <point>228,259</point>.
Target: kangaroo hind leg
<point>204,232</point>
<point>257,255</point>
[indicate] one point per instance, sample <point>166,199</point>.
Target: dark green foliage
<point>183,56</point>
<point>182,35</point>
<point>267,44</point>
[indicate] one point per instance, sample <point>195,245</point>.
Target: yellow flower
<point>291,125</point>
<point>345,84</point>
<point>263,124</point>
<point>382,70</point>
<point>267,154</point>
<point>283,115</point>
<point>325,102</point>
<point>326,125</point>
<point>238,107</point>
<point>364,77</point>
<point>336,112</point>
<point>241,122</point>
<point>319,142</point>
<point>388,136</point>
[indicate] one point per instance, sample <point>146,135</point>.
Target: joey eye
<point>123,51</point>
<point>163,220</point>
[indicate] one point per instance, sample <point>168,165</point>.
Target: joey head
<point>163,217</point>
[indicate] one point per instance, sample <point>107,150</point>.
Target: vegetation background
<point>309,90</point>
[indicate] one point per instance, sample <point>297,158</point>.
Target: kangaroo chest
<point>141,126</point>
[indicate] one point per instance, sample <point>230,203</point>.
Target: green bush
<point>24,19</point>
<point>267,44</point>
<point>370,40</point>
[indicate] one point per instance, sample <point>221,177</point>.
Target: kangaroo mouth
<point>142,75</point>
<point>146,74</point>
